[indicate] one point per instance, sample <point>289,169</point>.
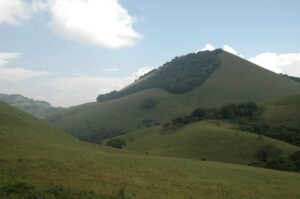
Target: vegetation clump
<point>149,104</point>
<point>271,157</point>
<point>116,143</point>
<point>98,135</point>
<point>233,112</point>
<point>23,190</point>
<point>287,134</point>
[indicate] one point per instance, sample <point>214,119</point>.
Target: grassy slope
<point>121,114</point>
<point>211,140</point>
<point>236,80</point>
<point>37,152</point>
<point>285,111</point>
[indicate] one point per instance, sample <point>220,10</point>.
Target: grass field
<point>35,152</point>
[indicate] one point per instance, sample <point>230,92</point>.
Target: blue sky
<point>42,57</point>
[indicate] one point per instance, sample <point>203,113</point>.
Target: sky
<point>67,52</point>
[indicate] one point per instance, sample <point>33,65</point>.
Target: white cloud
<point>9,74</point>
<point>78,89</point>
<point>98,22</point>
<point>6,57</point>
<point>207,47</point>
<point>288,63</point>
<point>61,90</point>
<point>111,69</point>
<point>230,49</point>
<point>14,12</point>
<point>227,48</point>
<point>82,89</point>
<point>141,71</point>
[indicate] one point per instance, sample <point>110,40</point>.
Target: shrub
<point>295,157</point>
<point>199,113</point>
<point>267,153</point>
<point>281,163</point>
<point>234,111</point>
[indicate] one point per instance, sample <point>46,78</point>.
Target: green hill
<point>37,108</point>
<point>209,140</point>
<point>226,78</point>
<point>34,152</point>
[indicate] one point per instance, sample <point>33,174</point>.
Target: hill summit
<point>221,70</point>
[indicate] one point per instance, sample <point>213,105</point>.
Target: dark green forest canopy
<point>180,75</point>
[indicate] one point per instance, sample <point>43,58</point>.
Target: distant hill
<point>216,78</point>
<point>37,108</point>
<point>41,161</point>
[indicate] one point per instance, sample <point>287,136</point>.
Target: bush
<point>295,157</point>
<point>236,111</point>
<point>116,143</point>
<point>267,153</point>
<point>199,113</point>
<point>281,163</point>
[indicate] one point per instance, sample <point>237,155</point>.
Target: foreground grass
<point>39,154</point>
